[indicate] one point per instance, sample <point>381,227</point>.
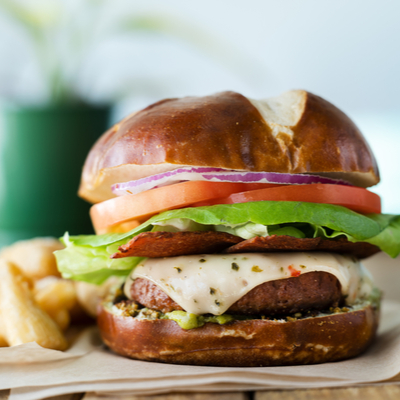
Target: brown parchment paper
<point>35,373</point>
<point>88,366</point>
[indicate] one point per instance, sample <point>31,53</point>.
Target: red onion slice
<point>216,175</point>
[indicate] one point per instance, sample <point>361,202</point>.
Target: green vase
<point>42,151</point>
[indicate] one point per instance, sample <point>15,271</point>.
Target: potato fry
<point>23,320</point>
<point>61,317</point>
<point>57,297</point>
<point>55,293</point>
<point>34,257</point>
<point>90,295</point>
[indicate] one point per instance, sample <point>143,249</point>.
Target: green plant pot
<point>42,151</point>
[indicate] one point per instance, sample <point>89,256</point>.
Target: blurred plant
<point>64,33</point>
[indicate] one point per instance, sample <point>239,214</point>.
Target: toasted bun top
<point>297,132</point>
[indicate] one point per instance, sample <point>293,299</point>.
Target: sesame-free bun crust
<point>297,132</point>
<point>250,343</point>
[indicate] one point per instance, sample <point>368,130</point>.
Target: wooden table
<point>390,390</point>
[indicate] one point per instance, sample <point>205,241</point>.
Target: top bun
<point>296,132</point>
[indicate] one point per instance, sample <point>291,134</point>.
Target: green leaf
<point>92,264</point>
<point>22,16</point>
<point>389,239</point>
<point>135,23</point>
<point>108,238</point>
<point>97,277</point>
<point>85,255</point>
<point>267,213</point>
<point>288,231</point>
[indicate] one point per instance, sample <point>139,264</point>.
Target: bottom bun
<point>248,343</point>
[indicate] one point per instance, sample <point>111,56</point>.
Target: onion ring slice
<point>217,175</point>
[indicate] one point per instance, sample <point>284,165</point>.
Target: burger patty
<point>310,291</point>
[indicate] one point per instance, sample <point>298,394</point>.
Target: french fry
<point>61,317</point>
<point>23,320</point>
<point>57,297</point>
<point>34,257</point>
<point>90,295</point>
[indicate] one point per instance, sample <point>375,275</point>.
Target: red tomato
<point>109,215</point>
<point>293,271</point>
<point>119,213</point>
<point>355,198</point>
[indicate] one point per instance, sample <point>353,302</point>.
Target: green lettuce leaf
<point>260,212</point>
<point>92,263</point>
<point>388,240</point>
<point>87,257</point>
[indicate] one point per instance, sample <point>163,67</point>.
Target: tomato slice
<point>125,212</point>
<point>352,197</point>
<point>109,215</point>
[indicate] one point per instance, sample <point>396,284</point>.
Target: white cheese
<point>203,284</point>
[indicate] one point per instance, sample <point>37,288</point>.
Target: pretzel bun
<point>250,343</point>
<point>297,132</point>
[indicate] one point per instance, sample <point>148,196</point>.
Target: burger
<point>237,227</point>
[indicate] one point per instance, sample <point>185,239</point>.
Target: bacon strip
<point>289,243</point>
<point>169,244</point>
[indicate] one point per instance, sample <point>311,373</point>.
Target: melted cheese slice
<point>203,284</point>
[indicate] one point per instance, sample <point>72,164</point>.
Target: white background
<point>347,51</point>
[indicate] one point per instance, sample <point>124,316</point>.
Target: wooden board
<point>177,396</point>
<point>387,391</point>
